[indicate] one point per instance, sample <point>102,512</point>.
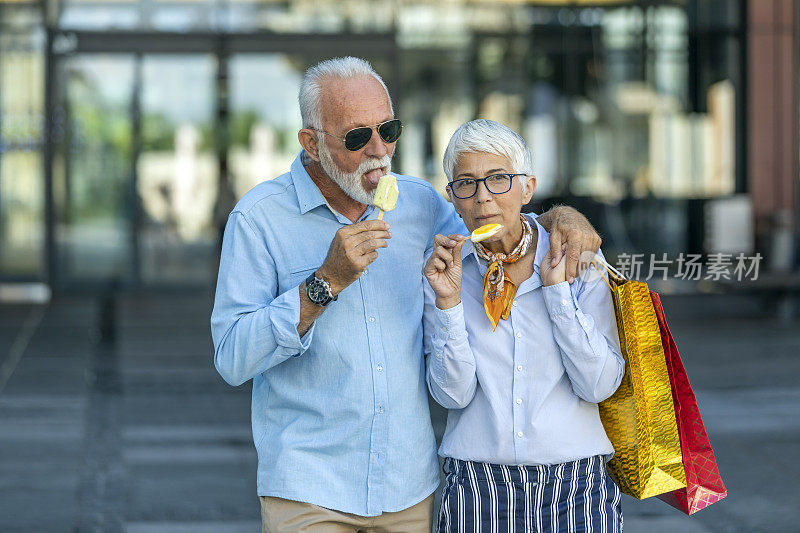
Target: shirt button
<point>519,401</point>
<point>444,329</point>
<point>372,319</point>
<point>514,304</point>
<point>438,355</point>
<point>519,433</point>
<point>519,334</point>
<point>380,408</point>
<point>380,368</point>
<point>519,368</point>
<point>564,302</point>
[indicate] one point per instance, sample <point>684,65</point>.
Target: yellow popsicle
<point>386,194</point>
<point>484,232</point>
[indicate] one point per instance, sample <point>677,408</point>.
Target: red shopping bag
<point>704,485</point>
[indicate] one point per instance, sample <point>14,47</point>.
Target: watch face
<point>316,292</point>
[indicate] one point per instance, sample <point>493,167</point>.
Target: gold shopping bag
<point>639,418</point>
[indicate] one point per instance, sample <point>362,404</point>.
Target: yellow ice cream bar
<point>386,193</point>
<point>484,232</point>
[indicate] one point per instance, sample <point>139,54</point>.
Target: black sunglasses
<point>357,138</point>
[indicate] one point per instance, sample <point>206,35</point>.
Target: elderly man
<point>320,304</point>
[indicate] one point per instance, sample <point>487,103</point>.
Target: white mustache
<point>366,166</point>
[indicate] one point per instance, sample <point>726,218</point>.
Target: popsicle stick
<point>380,214</point>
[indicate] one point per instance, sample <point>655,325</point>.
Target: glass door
<point>177,170</point>
<point>135,173</point>
<point>92,171</point>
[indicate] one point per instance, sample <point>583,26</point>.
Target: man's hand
<point>443,270</point>
<point>352,250</point>
<point>566,225</point>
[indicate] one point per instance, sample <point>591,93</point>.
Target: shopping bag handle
<point>609,268</point>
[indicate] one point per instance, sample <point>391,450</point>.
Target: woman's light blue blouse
<point>527,392</point>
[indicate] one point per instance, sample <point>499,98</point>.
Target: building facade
<point>129,128</point>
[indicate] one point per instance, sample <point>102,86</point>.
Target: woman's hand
<point>553,274</point>
<point>443,270</point>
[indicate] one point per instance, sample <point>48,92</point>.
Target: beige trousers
<point>287,516</point>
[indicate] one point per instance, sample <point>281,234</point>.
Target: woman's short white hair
<point>310,95</point>
<point>483,135</point>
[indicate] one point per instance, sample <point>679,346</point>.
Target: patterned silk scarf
<point>498,289</point>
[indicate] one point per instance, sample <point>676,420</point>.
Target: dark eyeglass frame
<point>351,138</point>
<point>477,181</point>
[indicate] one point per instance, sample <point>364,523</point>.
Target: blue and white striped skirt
<point>570,497</point>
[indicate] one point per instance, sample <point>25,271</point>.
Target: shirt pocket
<point>296,276</point>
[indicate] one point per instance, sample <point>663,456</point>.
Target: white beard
<point>350,182</point>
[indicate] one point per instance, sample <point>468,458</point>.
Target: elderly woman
<point>518,356</point>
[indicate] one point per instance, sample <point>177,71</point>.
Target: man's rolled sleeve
<point>252,326</point>
<point>285,315</point>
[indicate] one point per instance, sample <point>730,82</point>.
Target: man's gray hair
<point>310,96</point>
<point>488,136</point>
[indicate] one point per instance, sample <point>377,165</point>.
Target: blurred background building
<point>129,128</point>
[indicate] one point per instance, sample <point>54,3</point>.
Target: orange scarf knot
<point>498,289</point>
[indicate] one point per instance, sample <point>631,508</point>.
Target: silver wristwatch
<point>319,291</point>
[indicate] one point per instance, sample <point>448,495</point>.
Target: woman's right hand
<point>443,270</point>
<point>552,275</point>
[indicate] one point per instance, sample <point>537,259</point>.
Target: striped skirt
<point>570,497</point>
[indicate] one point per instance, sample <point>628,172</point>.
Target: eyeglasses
<point>495,184</point>
<point>357,138</point>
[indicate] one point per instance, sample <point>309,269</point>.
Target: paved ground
<point>112,418</point>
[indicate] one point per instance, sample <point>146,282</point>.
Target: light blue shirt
<point>526,393</point>
<point>340,416</point>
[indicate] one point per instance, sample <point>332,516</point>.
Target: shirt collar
<point>542,243</point>
<point>308,194</point>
